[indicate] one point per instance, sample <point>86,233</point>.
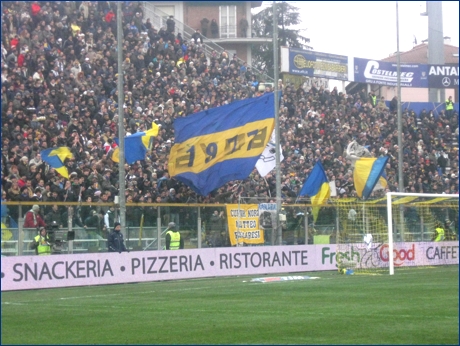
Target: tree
<point>262,25</point>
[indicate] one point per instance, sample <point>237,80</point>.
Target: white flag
<point>267,161</point>
<point>333,188</point>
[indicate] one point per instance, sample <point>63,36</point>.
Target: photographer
<point>41,243</point>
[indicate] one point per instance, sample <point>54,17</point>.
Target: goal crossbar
<point>390,217</point>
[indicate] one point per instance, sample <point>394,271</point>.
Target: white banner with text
<point>35,272</point>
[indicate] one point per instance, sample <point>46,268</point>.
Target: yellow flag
<point>62,152</point>
<point>55,157</point>
<point>6,233</point>
<point>153,132</point>
<point>116,155</point>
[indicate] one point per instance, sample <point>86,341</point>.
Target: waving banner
<point>367,173</point>
<point>56,157</point>
<point>221,144</point>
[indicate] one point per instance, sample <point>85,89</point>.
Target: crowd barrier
<point>146,226</point>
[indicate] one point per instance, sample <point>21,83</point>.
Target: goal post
<point>434,198</point>
<point>361,233</point>
<point>375,236</point>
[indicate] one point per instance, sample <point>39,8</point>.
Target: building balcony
<point>230,34</point>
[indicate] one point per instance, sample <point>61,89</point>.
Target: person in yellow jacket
<point>439,232</point>
<point>174,241</point>
<point>449,108</point>
<point>372,99</point>
<point>41,243</point>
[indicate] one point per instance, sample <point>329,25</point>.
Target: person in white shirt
<point>109,217</point>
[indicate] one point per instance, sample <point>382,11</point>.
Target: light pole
<point>121,129</point>
<point>277,127</point>
<point>400,141</point>
<point>435,44</point>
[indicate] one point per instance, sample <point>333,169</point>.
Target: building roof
<point>419,55</point>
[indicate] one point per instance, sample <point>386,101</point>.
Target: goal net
<point>401,224</point>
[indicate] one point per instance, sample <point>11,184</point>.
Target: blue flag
<point>13,223</point>
<point>55,157</point>
<point>136,145</point>
<point>316,186</point>
<point>367,173</point>
<point>221,144</point>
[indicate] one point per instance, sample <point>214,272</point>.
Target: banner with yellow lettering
<point>221,144</point>
<point>243,224</point>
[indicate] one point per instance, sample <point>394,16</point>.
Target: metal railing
<point>140,234</point>
<point>145,229</point>
<point>158,19</point>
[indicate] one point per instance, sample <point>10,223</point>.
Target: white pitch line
<point>11,303</point>
<point>93,296</point>
<point>116,294</point>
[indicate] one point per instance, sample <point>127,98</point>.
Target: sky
<point>367,29</point>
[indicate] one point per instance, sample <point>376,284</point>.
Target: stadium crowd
<point>59,88</point>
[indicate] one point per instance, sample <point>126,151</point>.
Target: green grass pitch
<point>415,306</point>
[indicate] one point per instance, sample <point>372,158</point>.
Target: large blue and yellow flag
<point>316,186</point>
<point>382,183</point>
<point>55,157</point>
<point>136,145</point>
<point>367,173</point>
<point>221,144</point>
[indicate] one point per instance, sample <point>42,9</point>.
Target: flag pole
<point>277,126</point>
<point>121,129</point>
<point>269,193</point>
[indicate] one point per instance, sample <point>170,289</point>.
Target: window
<point>167,11</point>
<point>227,21</point>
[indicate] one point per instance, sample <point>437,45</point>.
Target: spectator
<point>244,26</point>
<point>381,106</point>
<point>33,218</point>
<point>214,29</point>
<point>170,24</point>
<point>109,217</point>
<point>197,37</point>
<point>173,210</point>
<point>204,26</point>
<point>394,105</point>
<point>4,208</point>
<point>215,228</point>
<point>54,215</point>
<point>59,98</point>
<point>94,226</point>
